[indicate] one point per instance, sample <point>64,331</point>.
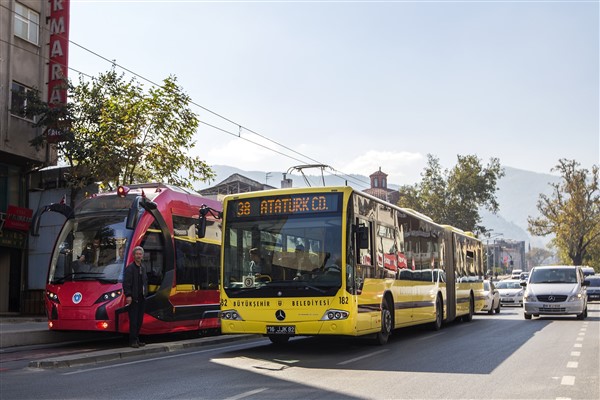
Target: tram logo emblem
<point>280,315</point>
<point>77,298</point>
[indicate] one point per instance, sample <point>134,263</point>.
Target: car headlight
<point>575,297</point>
<point>530,297</point>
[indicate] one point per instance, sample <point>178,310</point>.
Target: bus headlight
<point>108,296</point>
<point>53,297</point>
<point>231,315</point>
<point>334,315</point>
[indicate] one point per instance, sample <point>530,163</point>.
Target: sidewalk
<point>27,331</point>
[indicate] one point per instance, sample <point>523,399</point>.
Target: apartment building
<point>32,39</point>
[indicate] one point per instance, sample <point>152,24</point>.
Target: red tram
<point>84,287</point>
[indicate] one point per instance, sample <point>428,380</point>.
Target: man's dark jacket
<point>135,281</point>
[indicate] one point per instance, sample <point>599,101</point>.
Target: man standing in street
<point>135,287</point>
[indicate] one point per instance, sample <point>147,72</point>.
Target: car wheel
<point>583,314</point>
<point>527,316</point>
<point>498,309</point>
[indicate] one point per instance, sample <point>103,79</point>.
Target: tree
<point>116,133</point>
<point>572,213</point>
<point>537,256</point>
<point>453,197</point>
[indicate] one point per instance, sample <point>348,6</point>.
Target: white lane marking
<point>575,353</point>
<point>578,345</point>
<point>579,339</point>
<point>361,357</point>
<point>154,359</point>
<point>572,364</point>
<point>583,329</point>
<point>246,394</point>
<point>563,398</point>
<point>568,380</point>
<point>581,334</point>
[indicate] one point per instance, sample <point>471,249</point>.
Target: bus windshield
<point>283,256</point>
<point>91,248</point>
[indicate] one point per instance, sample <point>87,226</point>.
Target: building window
<point>18,99</point>
<point>375,182</point>
<point>383,183</point>
<point>27,24</point>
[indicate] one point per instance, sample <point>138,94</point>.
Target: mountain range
<point>518,193</point>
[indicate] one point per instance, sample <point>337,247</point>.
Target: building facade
<point>24,57</point>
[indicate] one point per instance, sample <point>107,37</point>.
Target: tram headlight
<point>335,315</point>
<point>231,315</point>
<point>109,296</point>
<point>53,297</point>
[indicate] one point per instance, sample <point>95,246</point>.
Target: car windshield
<point>508,285</point>
<point>554,275</point>
<point>91,248</point>
<point>594,282</point>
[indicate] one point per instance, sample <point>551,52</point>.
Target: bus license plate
<point>281,329</point>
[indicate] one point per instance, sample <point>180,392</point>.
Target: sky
<point>363,85</point>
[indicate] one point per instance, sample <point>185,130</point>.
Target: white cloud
<point>402,167</point>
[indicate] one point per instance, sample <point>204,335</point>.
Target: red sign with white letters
<point>18,218</point>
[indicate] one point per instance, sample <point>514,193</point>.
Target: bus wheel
<point>439,314</point>
<point>386,324</point>
<point>279,339</point>
<point>469,316</point>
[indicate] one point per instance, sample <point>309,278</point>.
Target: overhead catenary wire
<point>241,127</point>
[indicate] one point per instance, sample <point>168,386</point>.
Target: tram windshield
<point>301,255</point>
<point>91,248</point>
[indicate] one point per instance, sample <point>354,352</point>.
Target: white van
<point>516,273</point>
<point>555,290</point>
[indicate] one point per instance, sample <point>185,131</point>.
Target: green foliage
<point>572,214</point>
<point>453,197</point>
<point>116,133</point>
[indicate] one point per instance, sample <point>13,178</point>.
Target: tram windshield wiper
<point>78,275</point>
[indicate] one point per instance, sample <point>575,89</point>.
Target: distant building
<point>506,255</point>
<point>379,188</point>
<point>236,183</point>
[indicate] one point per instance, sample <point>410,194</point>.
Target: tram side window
<point>154,259</point>
<point>197,261</point>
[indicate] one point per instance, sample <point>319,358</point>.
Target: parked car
<point>492,298</point>
<point>593,289</point>
<point>511,292</point>
<point>555,290</point>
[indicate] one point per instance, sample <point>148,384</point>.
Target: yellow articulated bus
<point>335,261</point>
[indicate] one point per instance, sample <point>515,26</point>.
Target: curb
<point>28,338</point>
<point>120,353</point>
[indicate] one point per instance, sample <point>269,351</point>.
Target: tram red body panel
<point>184,296</point>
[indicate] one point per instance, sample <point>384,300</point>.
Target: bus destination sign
<point>307,203</point>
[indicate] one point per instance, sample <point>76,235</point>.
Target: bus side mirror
<point>362,237</point>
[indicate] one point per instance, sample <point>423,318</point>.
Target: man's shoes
<point>141,344</point>
<point>135,345</point>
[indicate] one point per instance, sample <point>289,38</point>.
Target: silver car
<point>555,290</point>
